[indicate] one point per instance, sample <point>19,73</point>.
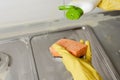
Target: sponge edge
<point>75,48</point>
<point>54,53</point>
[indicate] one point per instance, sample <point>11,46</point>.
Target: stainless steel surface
<point>4,65</point>
<point>20,65</point>
<point>4,62</point>
<point>27,46</point>
<point>108,33</point>
<point>50,69</point>
<point>39,27</point>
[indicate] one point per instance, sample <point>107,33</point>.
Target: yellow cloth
<point>80,68</point>
<point>109,5</point>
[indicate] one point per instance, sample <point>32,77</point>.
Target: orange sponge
<point>75,48</point>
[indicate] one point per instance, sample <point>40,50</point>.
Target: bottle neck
<point>85,5</point>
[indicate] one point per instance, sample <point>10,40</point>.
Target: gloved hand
<point>80,68</point>
<point>109,5</point>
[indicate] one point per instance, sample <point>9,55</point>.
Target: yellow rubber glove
<point>80,68</point>
<point>109,5</point>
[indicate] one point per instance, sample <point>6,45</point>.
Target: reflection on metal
<point>4,68</point>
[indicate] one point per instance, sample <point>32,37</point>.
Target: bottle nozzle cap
<point>73,12</point>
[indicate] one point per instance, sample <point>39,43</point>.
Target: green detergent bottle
<point>76,8</point>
